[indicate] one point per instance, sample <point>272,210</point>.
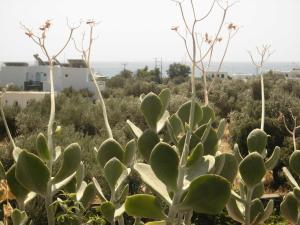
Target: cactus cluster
<point>183,178</point>
<point>246,207</point>
<point>115,164</point>
<point>30,175</point>
<point>289,207</point>
<point>184,171</point>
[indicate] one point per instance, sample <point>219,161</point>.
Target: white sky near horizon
<point>139,30</point>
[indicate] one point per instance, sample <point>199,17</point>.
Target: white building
<point>73,74</point>
<point>14,73</point>
<point>218,75</point>
<point>22,98</point>
<point>294,74</point>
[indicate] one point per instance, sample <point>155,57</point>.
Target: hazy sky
<point>139,30</point>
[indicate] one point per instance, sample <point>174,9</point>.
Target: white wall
<point>64,77</point>
<point>45,78</point>
<point>21,98</point>
<point>77,78</point>
<point>13,75</point>
<point>211,73</point>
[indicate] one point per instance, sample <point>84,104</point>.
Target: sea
<point>110,69</point>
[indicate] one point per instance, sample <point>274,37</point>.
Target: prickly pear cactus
<point>289,206</point>
<point>246,207</point>
<point>187,174</point>
<point>115,162</point>
<point>32,174</point>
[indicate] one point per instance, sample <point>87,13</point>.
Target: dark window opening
<point>66,75</point>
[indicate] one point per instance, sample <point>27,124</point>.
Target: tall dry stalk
<point>40,40</point>
<point>264,54</point>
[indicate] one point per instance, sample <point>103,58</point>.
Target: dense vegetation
<point>81,119</point>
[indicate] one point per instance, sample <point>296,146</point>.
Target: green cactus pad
<point>146,143</point>
<point>108,149</point>
<point>152,109</point>
<point>32,173</point>
<point>195,140</point>
<point>150,179</point>
<point>289,208</point>
<point>144,206</point>
<point>252,169</point>
<point>113,169</point>
<point>257,208</point>
<point>234,211</point>
<point>208,114</point>
<point>258,191</point>
<point>19,217</point>
<point>207,194</point>
<point>176,125</point>
<point>201,166</point>
<point>130,151</point>
<point>196,153</point>
<point>229,168</point>
<point>2,171</point>
<point>162,222</point>
<point>164,162</point>
<point>108,211</point>
<point>296,192</point>
<point>80,174</point>
<point>71,162</point>
<point>137,132</point>
<point>122,193</point>
<point>42,147</point>
<point>184,113</point>
<point>273,160</point>
<point>266,213</point>
<point>18,190</point>
<point>211,141</point>
<point>257,141</point>
<point>165,96</point>
<point>221,128</point>
<point>294,162</point>
<point>88,195</point>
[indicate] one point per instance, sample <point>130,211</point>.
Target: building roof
<point>77,63</point>
<point>15,64</point>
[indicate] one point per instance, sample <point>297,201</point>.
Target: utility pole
<point>124,66</point>
<point>161,68</point>
<point>155,62</point>
<point>158,64</point>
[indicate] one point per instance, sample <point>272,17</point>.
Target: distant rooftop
<point>77,63</point>
<point>15,64</point>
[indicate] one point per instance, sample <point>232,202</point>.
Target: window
<point>66,75</point>
<point>38,76</point>
<point>16,103</point>
<point>6,101</point>
<point>222,75</point>
<point>212,75</point>
<point>45,74</point>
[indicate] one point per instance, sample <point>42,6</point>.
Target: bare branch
<point>72,28</point>
<point>230,36</point>
<point>208,13</point>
